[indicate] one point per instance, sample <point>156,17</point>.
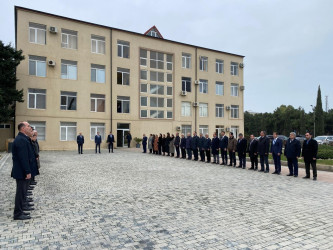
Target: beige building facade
<point>83,77</point>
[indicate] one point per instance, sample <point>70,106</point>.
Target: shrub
<point>325,152</point>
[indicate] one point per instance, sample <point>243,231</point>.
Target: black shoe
<point>290,175</point>
<point>29,200</point>
<point>306,177</point>
<point>255,169</point>
<point>314,178</point>
<point>274,172</point>
<point>22,217</point>
<point>26,213</point>
<point>234,166</point>
<point>33,183</point>
<point>261,170</point>
<point>243,167</point>
<point>29,204</point>
<point>239,167</point>
<point>28,208</point>
<point>251,168</point>
<point>29,193</point>
<point>295,175</point>
<point>222,163</point>
<point>229,165</point>
<point>30,188</point>
<point>266,171</point>
<point>278,173</point>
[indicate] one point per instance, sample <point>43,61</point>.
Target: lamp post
<point>314,121</point>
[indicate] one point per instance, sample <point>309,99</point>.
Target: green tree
<point>319,115</point>
<point>10,58</point>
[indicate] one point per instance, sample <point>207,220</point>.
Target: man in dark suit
<point>215,148</point>
<point>309,154</point>
<point>263,150</point>
<point>207,146</point>
<point>201,144</point>
<point>189,146</point>
<point>144,143</point>
<point>24,167</point>
<point>177,144</point>
<point>241,149</point>
<point>98,141</point>
<point>194,145</point>
<point>129,139</point>
<point>110,141</point>
<point>183,146</point>
<point>276,150</point>
<point>80,142</point>
<point>223,147</point>
<point>253,152</point>
<point>292,151</point>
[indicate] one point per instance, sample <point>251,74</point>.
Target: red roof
<point>154,29</point>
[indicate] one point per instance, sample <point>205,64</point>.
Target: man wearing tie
<point>144,143</point>
<point>263,149</point>
<point>276,150</point>
<point>80,142</point>
<point>223,147</point>
<point>253,153</point>
<point>241,149</point>
<point>110,141</point>
<point>309,153</point>
<point>98,141</point>
<point>292,151</point>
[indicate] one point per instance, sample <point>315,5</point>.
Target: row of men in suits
<point>98,140</point>
<point>25,155</point>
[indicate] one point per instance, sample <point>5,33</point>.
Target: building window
<point>157,102</point>
<point>169,90</point>
<point>40,127</point>
<point>157,114</point>
<point>153,33</point>
<point>68,39</point>
<point>186,84</point>
<point>219,110</point>
<point>234,111</point>
<point>203,109</point>
<point>143,74</point>
<point>144,113</point>
<point>203,129</point>
<point>67,131</point>
<point>4,126</point>
<point>123,49</point>
<point>123,76</point>
<point>186,129</point>
<point>169,77</point>
<point>68,70</point>
<point>156,60</point>
<point>234,89</point>
<point>186,109</point>
<point>97,103</point>
<point>37,33</point>
<point>143,88</point>
<point>143,101</point>
<point>219,88</point>
<point>169,61</point>
<point>97,44</point>
<point>143,57</point>
<point>156,76</point>
<point>186,60</point>
<point>97,73</point>
<point>203,63</point>
<point>234,130</point>
<point>156,89</point>
<point>219,129</point>
<point>203,86</point>
<point>169,114</point>
<point>169,103</point>
<point>123,104</point>
<point>97,127</point>
<point>234,68</point>
<point>67,100</point>
<point>37,98</point>
<point>219,66</point>
<point>37,66</point>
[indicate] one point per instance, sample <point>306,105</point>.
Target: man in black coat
<point>98,141</point>
<point>292,151</point>
<point>183,146</point>
<point>80,142</point>
<point>309,154</point>
<point>241,149</point>
<point>110,141</point>
<point>223,147</point>
<point>215,148</point>
<point>263,151</point>
<point>189,146</point>
<point>253,152</point>
<point>129,139</point>
<point>194,145</point>
<point>207,146</point>
<point>201,144</point>
<point>177,144</point>
<point>144,143</point>
<point>24,167</point>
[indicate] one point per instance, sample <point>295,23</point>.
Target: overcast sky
<point>287,44</point>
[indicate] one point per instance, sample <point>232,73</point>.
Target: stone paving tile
<point>128,200</point>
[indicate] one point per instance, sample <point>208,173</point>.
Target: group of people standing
<point>26,164</point>
<point>227,147</point>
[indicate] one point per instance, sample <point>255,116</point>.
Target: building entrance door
<point>122,132</point>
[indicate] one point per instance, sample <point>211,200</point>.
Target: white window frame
<point>97,127</point>
<point>202,85</point>
<point>42,62</point>
<point>36,30</point>
<point>97,71</point>
<point>203,63</point>
<point>156,60</point>
<point>68,35</point>
<point>122,105</point>
<point>186,60</point>
<point>234,130</point>
<point>234,69</point>
<point>119,70</point>
<point>143,97</point>
<point>203,109</point>
<point>96,101</point>
<point>35,98</point>
<point>234,89</point>
<point>98,42</point>
<point>219,110</point>
<point>219,66</point>
<point>38,125</point>
<point>123,45</point>
<point>186,109</point>
<point>141,113</point>
<point>234,111</point>
<point>143,59</point>
<point>68,66</point>
<point>168,62</point>
<point>186,129</point>
<point>219,86</point>
<point>68,126</point>
<point>67,96</point>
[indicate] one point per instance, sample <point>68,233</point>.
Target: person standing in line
<point>292,151</point>
<point>110,142</point>
<point>144,143</point>
<point>98,141</point>
<point>309,154</point>
<point>201,144</point>
<point>80,142</point>
<point>241,149</point>
<point>194,145</point>
<point>276,150</point>
<point>160,144</point>
<point>183,146</point>
<point>253,152</point>
<point>172,145</point>
<point>35,145</point>
<point>150,143</point>
<point>177,144</point>
<point>167,144</point>
<point>207,146</point>
<point>189,146</point>
<point>155,147</point>
<point>263,149</point>
<point>232,147</point>
<point>163,144</point>
<point>223,147</point>
<point>215,148</point>
<point>129,139</point>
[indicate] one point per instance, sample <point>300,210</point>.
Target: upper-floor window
<point>169,77</point>
<point>186,84</point>
<point>143,87</point>
<point>186,109</point>
<point>234,89</point>
<point>157,102</point>
<point>169,90</point>
<point>219,66</point>
<point>156,89</point>
<point>157,114</point>
<point>143,101</point>
<point>97,44</point>
<point>123,104</point>
<point>219,110</point>
<point>186,60</point>
<point>37,66</point>
<point>143,74</point>
<point>37,33</point>
<point>169,61</point>
<point>143,57</point>
<point>97,73</point>
<point>156,60</point>
<point>219,88</point>
<point>67,100</point>
<point>234,68</point>
<point>97,127</point>
<point>123,49</point>
<point>203,63</point>
<point>203,109</point>
<point>203,86</point>
<point>37,98</point>
<point>97,103</point>
<point>153,33</point>
<point>156,76</point>
<point>169,102</point>
<point>234,111</point>
<point>68,39</point>
<point>68,69</point>
<point>123,76</point>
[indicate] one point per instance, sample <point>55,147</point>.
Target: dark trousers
<point>177,151</point>
<point>183,153</point>
<point>224,156</point>
<point>98,145</point>
<point>263,162</point>
<point>129,143</point>
<point>232,158</point>
<point>242,160</point>
<point>21,187</point>
<point>216,158</point>
<point>79,148</point>
<point>144,148</point>
<point>189,153</point>
<point>313,164</point>
<point>150,150</point>
<point>159,149</point>
<point>254,161</point>
<point>110,146</point>
<point>277,162</point>
<point>202,154</point>
<point>208,155</point>
<point>195,154</point>
<point>293,166</point>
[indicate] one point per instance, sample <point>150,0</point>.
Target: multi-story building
<point>84,77</point>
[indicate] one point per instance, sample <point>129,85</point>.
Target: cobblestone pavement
<point>128,200</point>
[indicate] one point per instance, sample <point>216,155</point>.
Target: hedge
<point>325,152</point>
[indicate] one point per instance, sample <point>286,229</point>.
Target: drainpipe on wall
<point>111,78</point>
<point>196,90</point>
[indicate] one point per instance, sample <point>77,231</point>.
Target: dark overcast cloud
<point>288,44</point>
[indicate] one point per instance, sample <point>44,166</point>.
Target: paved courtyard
<point>128,200</point>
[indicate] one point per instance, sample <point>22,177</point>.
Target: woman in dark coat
<point>166,144</point>
<point>35,146</point>
<point>164,139</point>
<point>160,143</point>
<point>172,146</point>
